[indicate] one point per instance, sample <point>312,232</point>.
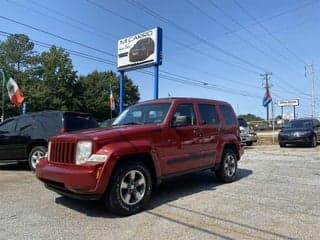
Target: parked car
<point>25,137</point>
<point>141,50</point>
<point>305,131</point>
<point>147,143</point>
<point>248,136</point>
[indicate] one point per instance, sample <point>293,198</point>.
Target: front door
<point>183,150</point>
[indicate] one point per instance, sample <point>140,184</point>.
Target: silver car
<point>248,137</point>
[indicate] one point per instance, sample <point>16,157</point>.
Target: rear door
<point>7,146</point>
<point>22,136</point>
<point>210,131</point>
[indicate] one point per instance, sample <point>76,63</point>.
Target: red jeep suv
<point>148,142</point>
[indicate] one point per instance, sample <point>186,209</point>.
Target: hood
<point>111,132</point>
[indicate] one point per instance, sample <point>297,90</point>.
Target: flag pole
<point>2,112</point>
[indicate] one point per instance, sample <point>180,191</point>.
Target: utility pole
<point>313,100</point>
<point>267,86</point>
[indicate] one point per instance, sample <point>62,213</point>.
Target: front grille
<point>62,152</point>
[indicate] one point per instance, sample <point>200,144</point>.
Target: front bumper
<point>70,179</point>
<point>295,140</point>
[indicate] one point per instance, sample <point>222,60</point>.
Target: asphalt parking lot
<point>276,196</point>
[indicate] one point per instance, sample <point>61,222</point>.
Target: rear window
<point>228,115</point>
<point>78,122</point>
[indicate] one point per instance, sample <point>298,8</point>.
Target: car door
<point>7,147</point>
<point>210,131</point>
<point>183,151</point>
<point>22,136</point>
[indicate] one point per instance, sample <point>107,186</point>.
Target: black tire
<point>228,167</point>
<point>129,189</point>
<point>314,141</point>
<point>35,154</point>
<point>282,145</point>
<point>249,143</point>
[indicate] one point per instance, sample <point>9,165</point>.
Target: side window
<point>24,124</point>
<point>208,114</point>
<point>228,115</point>
<point>8,126</point>
<point>187,111</point>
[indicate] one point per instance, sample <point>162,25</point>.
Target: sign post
<point>140,51</point>
<point>288,103</point>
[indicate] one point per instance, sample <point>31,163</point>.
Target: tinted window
<point>208,114</point>
<point>242,122</point>
<point>301,123</point>
<point>187,111</point>
<point>78,122</point>
<point>24,123</point>
<point>8,126</point>
<point>228,115</point>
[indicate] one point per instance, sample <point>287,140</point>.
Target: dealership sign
<point>140,50</point>
<point>288,103</point>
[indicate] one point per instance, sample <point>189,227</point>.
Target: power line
<point>268,32</point>
<point>87,28</point>
<point>56,36</point>
<point>168,76</point>
<point>187,46</point>
<point>186,31</point>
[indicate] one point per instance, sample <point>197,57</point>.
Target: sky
<point>216,49</point>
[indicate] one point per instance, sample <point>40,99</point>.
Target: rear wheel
<point>228,167</point>
<point>35,155</point>
<point>314,141</point>
<point>249,143</point>
<point>129,189</point>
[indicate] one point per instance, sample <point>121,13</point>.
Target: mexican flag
<point>14,92</point>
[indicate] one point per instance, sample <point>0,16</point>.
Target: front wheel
<point>129,189</point>
<point>35,155</point>
<point>228,167</point>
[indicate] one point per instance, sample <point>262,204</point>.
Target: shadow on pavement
<point>168,191</point>
<point>14,166</point>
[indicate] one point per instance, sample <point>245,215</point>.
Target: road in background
<point>276,196</point>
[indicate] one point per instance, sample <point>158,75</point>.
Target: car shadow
<point>168,191</point>
<point>14,166</point>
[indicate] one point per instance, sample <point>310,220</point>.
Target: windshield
<point>143,114</point>
<point>242,122</point>
<point>300,124</point>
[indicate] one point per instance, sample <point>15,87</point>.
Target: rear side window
<point>208,114</point>
<point>8,126</point>
<point>78,122</point>
<point>228,115</point>
<point>24,124</point>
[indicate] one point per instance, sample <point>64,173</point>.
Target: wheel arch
<point>36,143</point>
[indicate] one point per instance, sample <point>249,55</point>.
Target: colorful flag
<point>267,98</point>
<point>15,95</point>
<point>112,103</point>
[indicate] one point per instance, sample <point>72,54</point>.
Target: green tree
<point>94,92</point>
<point>250,117</point>
<point>18,58</point>
<point>57,86</point>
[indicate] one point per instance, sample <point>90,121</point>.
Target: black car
<point>25,137</point>
<point>305,131</point>
<point>141,50</point>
